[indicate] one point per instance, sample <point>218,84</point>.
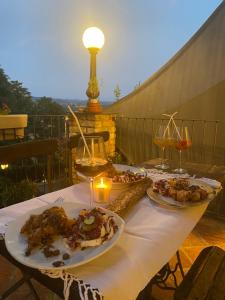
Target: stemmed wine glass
<point>183,142</point>
<point>91,159</point>
<point>163,140</point>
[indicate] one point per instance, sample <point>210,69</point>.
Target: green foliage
<point>137,85</point>
<point>13,94</point>
<point>117,158</point>
<point>117,92</point>
<point>4,84</point>
<point>46,106</point>
<point>4,109</point>
<point>11,192</point>
<point>19,100</point>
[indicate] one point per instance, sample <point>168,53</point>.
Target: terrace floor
<point>208,232</point>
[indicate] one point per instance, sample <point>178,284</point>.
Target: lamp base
<point>93,106</point>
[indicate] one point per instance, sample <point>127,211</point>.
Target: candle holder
<point>102,187</point>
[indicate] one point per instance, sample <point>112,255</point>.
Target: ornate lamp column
<point>93,39</point>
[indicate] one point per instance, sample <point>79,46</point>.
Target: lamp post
<point>93,40</point>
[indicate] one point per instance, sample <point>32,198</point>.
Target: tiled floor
<point>208,232</point>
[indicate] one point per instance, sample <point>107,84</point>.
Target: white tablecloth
<point>151,237</point>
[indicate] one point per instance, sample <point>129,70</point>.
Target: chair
<point>17,152</point>
<point>204,281</point>
<point>160,279</point>
<point>206,278</point>
<point>20,151</point>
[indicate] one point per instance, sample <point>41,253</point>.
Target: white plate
<point>162,200</point>
<point>16,243</point>
<point>121,168</point>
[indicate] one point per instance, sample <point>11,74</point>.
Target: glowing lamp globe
<point>93,37</point>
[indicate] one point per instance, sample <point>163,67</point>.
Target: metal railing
<point>134,138</point>
<point>46,126</point>
<point>52,126</point>
<point>32,172</point>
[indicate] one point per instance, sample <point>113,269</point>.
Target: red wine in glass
<point>91,159</point>
<point>89,168</point>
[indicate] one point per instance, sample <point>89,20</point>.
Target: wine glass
<point>162,139</point>
<point>183,142</point>
<point>91,159</point>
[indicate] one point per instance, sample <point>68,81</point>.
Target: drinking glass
<point>91,162</point>
<point>183,142</point>
<point>163,140</point>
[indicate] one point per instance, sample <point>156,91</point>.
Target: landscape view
<point>112,150</point>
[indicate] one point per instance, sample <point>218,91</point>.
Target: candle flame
<point>101,184</point>
<point>3,167</point>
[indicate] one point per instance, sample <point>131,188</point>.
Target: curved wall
<point>192,82</point>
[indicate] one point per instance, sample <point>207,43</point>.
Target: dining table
<point>151,236</point>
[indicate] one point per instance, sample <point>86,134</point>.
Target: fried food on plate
<point>180,189</point>
<point>41,230</point>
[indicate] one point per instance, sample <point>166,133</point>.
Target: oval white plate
<point>172,202</point>
<point>120,168</point>
<point>16,243</point>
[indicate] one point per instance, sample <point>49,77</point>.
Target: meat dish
<point>123,176</point>
<point>90,228</point>
<point>41,230</point>
<point>180,189</point>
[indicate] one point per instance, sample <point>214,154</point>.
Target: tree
<point>46,106</point>
<point>20,100</point>
<point>14,95</point>
<point>117,92</point>
<point>137,85</point>
<point>4,88</point>
<point>4,85</point>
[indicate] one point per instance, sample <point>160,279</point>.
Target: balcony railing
<point>135,140</point>
<point>31,173</point>
<point>47,126</point>
<point>51,126</point>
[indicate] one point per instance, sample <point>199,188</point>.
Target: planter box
<point>12,126</point>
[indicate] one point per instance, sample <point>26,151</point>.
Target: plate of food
<point>65,236</point>
<point>181,192</point>
<point>124,176</point>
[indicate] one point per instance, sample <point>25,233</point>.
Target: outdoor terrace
<point>134,143</point>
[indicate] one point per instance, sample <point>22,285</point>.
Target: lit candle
<point>3,167</point>
<point>102,189</point>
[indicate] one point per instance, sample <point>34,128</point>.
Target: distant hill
<point>74,102</point>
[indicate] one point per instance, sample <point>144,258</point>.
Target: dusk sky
<point>41,41</point>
